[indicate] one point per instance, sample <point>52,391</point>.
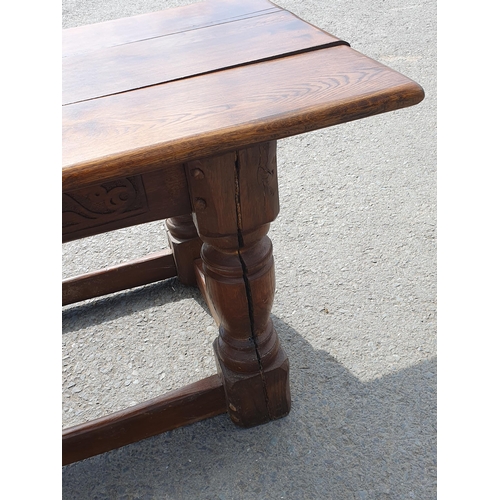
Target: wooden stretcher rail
<point>188,405</point>
<point>153,267</point>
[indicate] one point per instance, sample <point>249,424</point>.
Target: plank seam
<point>195,27</point>
<point>224,68</point>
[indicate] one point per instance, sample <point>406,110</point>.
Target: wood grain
<point>192,403</point>
<point>167,58</point>
<point>226,110</point>
<point>207,87</point>
<point>86,39</point>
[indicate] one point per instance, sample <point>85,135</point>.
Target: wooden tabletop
<point>199,80</point>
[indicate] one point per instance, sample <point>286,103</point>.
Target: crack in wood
<point>222,68</point>
<point>248,289</point>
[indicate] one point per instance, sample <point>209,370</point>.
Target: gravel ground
<point>355,307</point>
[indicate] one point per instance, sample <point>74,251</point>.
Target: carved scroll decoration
<point>104,203</point>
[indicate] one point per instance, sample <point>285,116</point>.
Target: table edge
<point>142,160</point>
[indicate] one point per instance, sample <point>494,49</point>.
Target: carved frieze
<point>104,203</point>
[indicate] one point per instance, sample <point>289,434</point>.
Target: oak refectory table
<point>175,115</point>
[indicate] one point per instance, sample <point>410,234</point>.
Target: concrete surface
<point>355,307</point>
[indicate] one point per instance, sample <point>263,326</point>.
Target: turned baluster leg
<point>186,246</point>
<point>235,197</point>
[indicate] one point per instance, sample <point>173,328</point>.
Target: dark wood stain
<point>162,121</point>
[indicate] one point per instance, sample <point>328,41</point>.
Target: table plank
<point>207,115</point>
<point>167,58</point>
<point>85,39</point>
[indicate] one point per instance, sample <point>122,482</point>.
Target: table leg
<point>235,197</point>
<point>186,246</point>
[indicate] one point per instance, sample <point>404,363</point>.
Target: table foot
<point>257,398</point>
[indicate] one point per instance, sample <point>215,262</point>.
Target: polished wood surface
<point>222,111</point>
<point>164,87</point>
<point>124,67</point>
<point>85,39</point>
